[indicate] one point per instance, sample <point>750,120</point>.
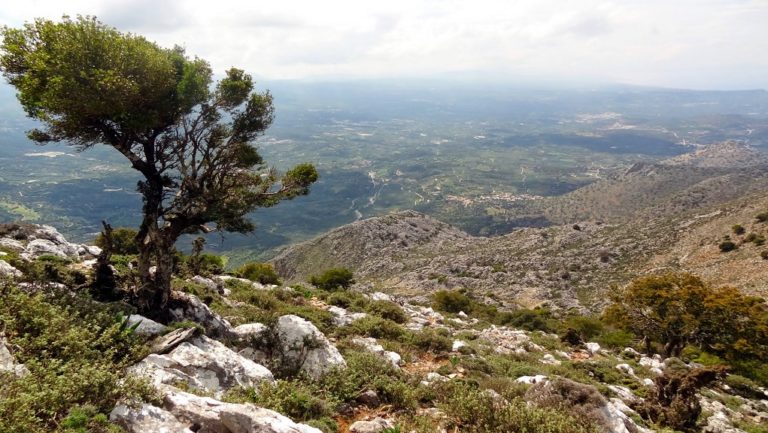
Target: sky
<point>694,44</point>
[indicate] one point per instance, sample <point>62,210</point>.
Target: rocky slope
<point>651,218</point>
<point>210,376</point>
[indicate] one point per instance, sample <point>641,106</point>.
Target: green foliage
<point>432,341</point>
<point>373,326</point>
<point>473,411</point>
<point>537,319</point>
<point>51,269</point>
<point>451,301</point>
<point>76,351</point>
<point>333,279</point>
<point>675,310</point>
<point>190,139</point>
<point>204,264</point>
<point>387,310</point>
<point>262,273</point>
<point>727,246</point>
<point>123,241</point>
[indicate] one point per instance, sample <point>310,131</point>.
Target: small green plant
<point>762,217</point>
<point>738,229</point>
<point>333,279</point>
<point>387,310</point>
<point>123,241</point>
<point>451,301</point>
<point>727,246</point>
<point>262,273</point>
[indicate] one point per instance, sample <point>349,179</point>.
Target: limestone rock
<point>8,362</point>
<point>168,342</point>
<point>373,426</point>
<point>147,327</point>
<point>205,364</point>
<point>184,306</point>
<point>532,380</point>
<point>371,345</point>
<point>146,418</point>
<point>302,347</point>
<point>342,317</point>
<point>6,270</point>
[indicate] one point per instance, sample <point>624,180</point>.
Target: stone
<point>146,327</point>
<point>380,296</point>
<point>371,345</point>
<point>506,340</point>
<point>6,270</point>
<point>457,345</point>
<point>251,334</point>
<point>146,418</point>
<point>375,425</point>
<point>168,342</point>
<point>11,245</point>
<point>369,398</point>
<point>302,347</point>
<point>184,306</point>
<point>44,247</point>
<point>549,359</point>
<point>532,380</point>
<point>626,368</point>
<point>8,362</point>
<point>205,364</point>
<point>206,282</point>
<point>342,317</point>
<point>592,347</point>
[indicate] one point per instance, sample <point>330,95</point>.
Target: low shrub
<point>333,279</point>
<point>76,352</point>
<point>387,310</point>
<point>727,246</point>
<point>262,273</point>
<point>123,241</point>
<point>375,327</point>
<point>451,301</point>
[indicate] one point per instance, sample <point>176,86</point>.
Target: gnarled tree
<point>191,139</point>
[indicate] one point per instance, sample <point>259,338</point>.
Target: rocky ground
<point>216,369</point>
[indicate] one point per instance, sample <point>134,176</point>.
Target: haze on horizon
<point>704,44</point>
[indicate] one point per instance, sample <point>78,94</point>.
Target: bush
<point>537,319</point>
<point>727,246</point>
<point>432,341</point>
<point>51,269</point>
<point>764,254</point>
<point>372,326</point>
<point>762,217</point>
<point>738,229</point>
<point>123,241</point>
<point>451,301</point>
<point>333,279</point>
<point>262,273</point>
<point>76,352</point>
<point>387,310</point>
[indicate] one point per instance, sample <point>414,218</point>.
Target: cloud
<point>702,43</point>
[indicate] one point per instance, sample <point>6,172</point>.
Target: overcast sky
<point>704,44</point>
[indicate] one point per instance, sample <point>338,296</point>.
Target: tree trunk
<point>155,255</point>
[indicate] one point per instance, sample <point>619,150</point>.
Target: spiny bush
<point>387,310</point>
<point>451,301</point>
<point>474,411</point>
<point>333,279</point>
<point>373,326</point>
<point>76,352</point>
<point>262,273</point>
<point>738,229</point>
<point>727,246</point>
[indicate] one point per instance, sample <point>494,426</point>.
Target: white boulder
<point>302,347</point>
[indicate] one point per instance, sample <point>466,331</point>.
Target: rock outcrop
<point>301,347</point>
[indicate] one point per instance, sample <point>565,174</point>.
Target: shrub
<point>738,229</point>
<point>674,402</point>
<point>762,217</point>
<point>537,319</point>
<point>759,240</point>
<point>373,326</point>
<point>727,246</point>
<point>474,411</point>
<point>123,241</point>
<point>333,279</point>
<point>263,273</point>
<point>764,254</point>
<point>76,352</point>
<point>52,269</point>
<point>387,310</point>
<point>451,301</point>
<point>432,341</point>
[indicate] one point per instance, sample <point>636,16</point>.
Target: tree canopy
<point>680,309</point>
<point>191,139</point>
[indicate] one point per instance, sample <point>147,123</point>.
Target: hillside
<point>649,218</point>
<point>241,357</point>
